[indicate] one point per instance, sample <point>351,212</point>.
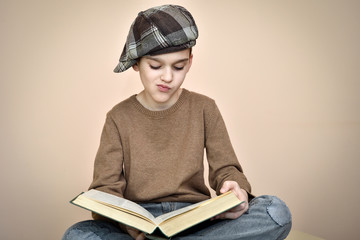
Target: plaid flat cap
<point>158,30</point>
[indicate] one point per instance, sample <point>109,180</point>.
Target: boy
<point>152,144</point>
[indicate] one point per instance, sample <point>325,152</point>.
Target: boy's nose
<point>166,76</point>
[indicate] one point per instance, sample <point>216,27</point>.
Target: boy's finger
<point>134,233</point>
<point>141,237</point>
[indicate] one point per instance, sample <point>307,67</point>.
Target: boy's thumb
<point>225,188</point>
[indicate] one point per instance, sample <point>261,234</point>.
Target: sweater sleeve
<point>223,163</point>
<point>108,168</point>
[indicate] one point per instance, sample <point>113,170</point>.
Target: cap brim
<point>123,66</point>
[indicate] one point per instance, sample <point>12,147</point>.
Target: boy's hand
<point>241,194</point>
<point>134,233</point>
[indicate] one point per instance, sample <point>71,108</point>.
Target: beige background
<point>285,75</point>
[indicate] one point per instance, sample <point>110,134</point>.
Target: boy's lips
<point>163,88</point>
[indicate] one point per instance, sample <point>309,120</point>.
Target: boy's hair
<point>158,30</point>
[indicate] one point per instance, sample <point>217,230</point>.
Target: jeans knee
<point>83,230</point>
<point>279,212</point>
<point>70,231</point>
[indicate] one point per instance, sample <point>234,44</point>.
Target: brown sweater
<point>156,156</point>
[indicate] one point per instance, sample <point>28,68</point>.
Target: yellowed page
<point>120,203</point>
<point>119,216</point>
<point>201,213</point>
<point>172,214</point>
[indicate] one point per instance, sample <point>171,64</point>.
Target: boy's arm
<point>108,167</point>
<point>223,163</point>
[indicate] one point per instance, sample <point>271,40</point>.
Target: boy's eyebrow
<point>160,61</point>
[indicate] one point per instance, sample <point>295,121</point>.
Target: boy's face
<point>162,76</point>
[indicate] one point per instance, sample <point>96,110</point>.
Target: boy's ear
<point>136,67</point>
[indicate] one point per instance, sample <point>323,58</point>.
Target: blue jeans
<point>267,218</point>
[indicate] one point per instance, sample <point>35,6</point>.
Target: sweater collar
<point>162,113</point>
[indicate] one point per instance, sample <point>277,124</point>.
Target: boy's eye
<point>178,68</point>
<point>154,67</point>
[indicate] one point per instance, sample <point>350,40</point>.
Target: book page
<point>169,215</point>
<point>203,211</point>
<point>120,203</point>
<point>106,210</point>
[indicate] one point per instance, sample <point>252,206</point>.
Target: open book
<point>132,214</point>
